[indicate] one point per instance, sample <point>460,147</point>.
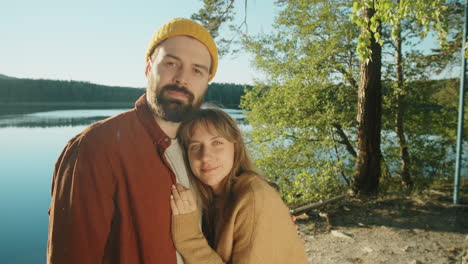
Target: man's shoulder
<point>107,129</point>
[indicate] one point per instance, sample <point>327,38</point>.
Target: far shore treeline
<point>19,95</point>
<point>40,94</point>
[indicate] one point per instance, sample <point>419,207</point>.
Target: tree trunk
<point>367,172</point>
<point>400,96</point>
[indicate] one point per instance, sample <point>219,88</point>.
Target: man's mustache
<point>179,89</point>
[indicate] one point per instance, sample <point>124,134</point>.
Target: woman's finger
<point>178,200</point>
<point>181,188</point>
<point>184,199</point>
<point>175,210</point>
<point>184,194</point>
<point>190,197</point>
<point>191,201</point>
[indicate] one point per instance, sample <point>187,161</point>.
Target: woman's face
<point>211,156</point>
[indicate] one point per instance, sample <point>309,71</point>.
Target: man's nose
<point>182,77</point>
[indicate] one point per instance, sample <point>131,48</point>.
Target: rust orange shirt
<point>110,194</point>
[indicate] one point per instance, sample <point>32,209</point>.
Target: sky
<point>103,41</point>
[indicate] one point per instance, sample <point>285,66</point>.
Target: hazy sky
<point>102,41</point>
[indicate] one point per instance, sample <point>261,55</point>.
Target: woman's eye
<point>217,142</point>
<point>194,147</point>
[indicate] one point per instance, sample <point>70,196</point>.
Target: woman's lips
<point>208,170</point>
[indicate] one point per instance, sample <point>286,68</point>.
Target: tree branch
<point>345,140</point>
<point>320,203</point>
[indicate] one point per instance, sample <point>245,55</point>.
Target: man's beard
<point>175,110</point>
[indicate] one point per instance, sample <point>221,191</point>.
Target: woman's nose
<point>206,154</point>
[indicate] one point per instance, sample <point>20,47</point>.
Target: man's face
<point>177,73</point>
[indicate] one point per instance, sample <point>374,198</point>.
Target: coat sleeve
<point>82,205</point>
<point>190,241</point>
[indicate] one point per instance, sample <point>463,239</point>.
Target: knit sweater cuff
<point>185,226</point>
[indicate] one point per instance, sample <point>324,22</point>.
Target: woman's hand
<point>182,200</point>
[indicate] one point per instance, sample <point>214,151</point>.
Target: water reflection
<point>61,118</point>
<point>65,118</point>
<point>27,157</point>
<point>27,108</point>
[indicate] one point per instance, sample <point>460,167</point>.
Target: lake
<point>29,147</point>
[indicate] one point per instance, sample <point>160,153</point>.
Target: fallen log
<point>320,203</point>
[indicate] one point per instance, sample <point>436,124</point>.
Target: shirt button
<point>166,139</point>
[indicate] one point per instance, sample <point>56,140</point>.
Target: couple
<point>122,193</point>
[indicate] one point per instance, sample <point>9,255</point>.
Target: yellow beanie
<point>185,27</point>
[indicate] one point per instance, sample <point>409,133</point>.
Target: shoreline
<point>17,108</point>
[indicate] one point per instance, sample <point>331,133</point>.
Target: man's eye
<point>197,71</point>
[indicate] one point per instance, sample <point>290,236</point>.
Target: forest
<point>86,94</point>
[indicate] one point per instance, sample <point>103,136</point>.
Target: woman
<point>244,219</point>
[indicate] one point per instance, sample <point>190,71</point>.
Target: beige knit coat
<point>257,229</point>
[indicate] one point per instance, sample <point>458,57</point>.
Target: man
<point>112,182</point>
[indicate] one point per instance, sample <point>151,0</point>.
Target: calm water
<point>29,147</point>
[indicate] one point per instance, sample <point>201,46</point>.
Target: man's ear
<point>148,67</point>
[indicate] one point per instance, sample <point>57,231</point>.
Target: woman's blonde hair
<point>213,118</point>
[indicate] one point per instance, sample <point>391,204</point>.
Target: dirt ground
<point>426,228</point>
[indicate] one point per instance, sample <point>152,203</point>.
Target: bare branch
<point>344,140</point>
<point>321,203</point>
<point>231,4</point>
<point>348,76</point>
<point>339,159</point>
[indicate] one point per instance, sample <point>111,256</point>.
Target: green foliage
<point>428,15</point>
<point>303,114</point>
<point>432,156</point>
<point>311,70</point>
<point>431,121</point>
<point>403,24</point>
<point>432,108</point>
<point>393,185</point>
<point>308,92</point>
<point>212,15</point>
<point>419,65</point>
<point>466,50</point>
